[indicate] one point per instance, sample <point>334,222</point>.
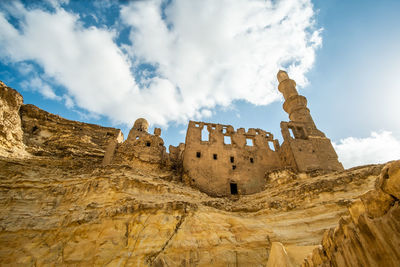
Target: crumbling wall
<point>224,167</point>
<point>307,150</point>
<point>10,122</point>
<point>176,157</point>
<point>139,147</point>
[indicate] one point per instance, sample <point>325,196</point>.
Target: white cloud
<point>38,85</point>
<point>204,53</point>
<point>377,148</point>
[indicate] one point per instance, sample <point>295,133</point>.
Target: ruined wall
<point>10,122</point>
<point>215,166</point>
<point>304,151</point>
<point>139,147</point>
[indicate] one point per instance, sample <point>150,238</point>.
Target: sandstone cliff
<point>10,121</point>
<point>60,206</point>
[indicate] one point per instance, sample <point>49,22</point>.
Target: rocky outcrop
<point>10,122</point>
<point>370,235</point>
<point>64,212</point>
<point>46,134</point>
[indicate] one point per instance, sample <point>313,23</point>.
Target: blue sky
<point>109,62</point>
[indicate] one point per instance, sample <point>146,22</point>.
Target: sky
<point>171,61</point>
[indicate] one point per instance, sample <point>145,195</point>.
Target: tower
<point>305,148</point>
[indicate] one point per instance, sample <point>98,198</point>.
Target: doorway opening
<point>234,189</point>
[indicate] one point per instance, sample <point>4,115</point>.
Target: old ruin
<point>221,161</point>
<point>77,194</point>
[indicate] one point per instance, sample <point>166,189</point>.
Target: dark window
<point>233,167</point>
<point>234,189</point>
<point>198,154</point>
<point>251,160</point>
<point>147,143</point>
<point>215,156</point>
<point>232,159</point>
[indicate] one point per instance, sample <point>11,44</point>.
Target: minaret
<point>295,105</point>
<point>305,148</point>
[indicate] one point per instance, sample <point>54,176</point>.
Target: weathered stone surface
<point>389,181</point>
<point>46,134</point>
<point>10,121</point>
<point>371,235</point>
<point>59,211</point>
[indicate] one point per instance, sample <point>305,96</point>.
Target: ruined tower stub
<point>140,147</point>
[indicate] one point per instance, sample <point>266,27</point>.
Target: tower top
<point>141,124</point>
<point>282,75</point>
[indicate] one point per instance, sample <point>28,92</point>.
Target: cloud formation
<point>182,58</point>
<point>377,148</point>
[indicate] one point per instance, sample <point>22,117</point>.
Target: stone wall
<point>304,151</point>
<point>140,147</point>
<point>229,162</point>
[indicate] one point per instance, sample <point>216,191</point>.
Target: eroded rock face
<point>370,236</point>
<point>65,212</point>
<point>10,122</point>
<point>46,134</point>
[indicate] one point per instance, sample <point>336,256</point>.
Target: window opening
<point>198,154</point>
<point>233,167</point>
<point>234,189</point>
<point>249,142</point>
<point>197,125</point>
<point>147,143</point>
<point>251,160</point>
<point>291,133</point>
<point>232,159</point>
<point>137,137</point>
<point>224,131</point>
<point>271,145</point>
<point>204,134</point>
<point>227,140</point>
<point>214,156</point>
